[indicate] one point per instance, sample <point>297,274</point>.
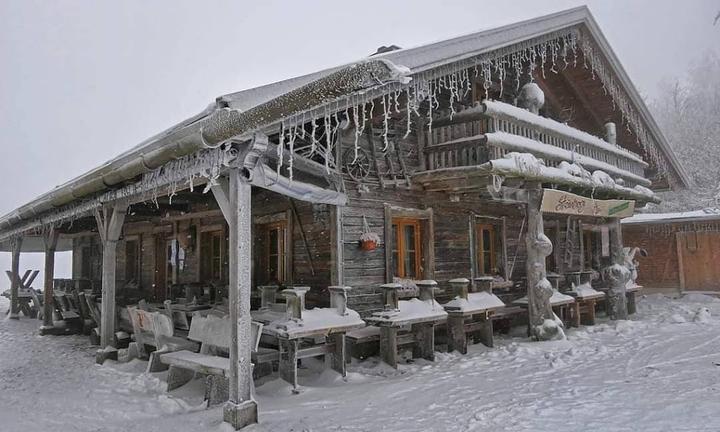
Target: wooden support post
<point>240,409</point>
<point>16,246</point>
<point>388,345</point>
<point>110,221</point>
<point>337,260</point>
<point>50,238</point>
<point>539,289</point>
<point>618,275</point>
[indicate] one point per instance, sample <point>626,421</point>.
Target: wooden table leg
<point>590,316</point>
<point>424,341</point>
<point>388,345</point>
<point>457,339</point>
<point>576,313</point>
<point>338,355</point>
<point>486,331</point>
<point>288,361</point>
<point>631,305</point>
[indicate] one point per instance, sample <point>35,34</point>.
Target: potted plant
<point>368,240</point>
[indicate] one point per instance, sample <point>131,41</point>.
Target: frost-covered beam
<point>16,246</point>
<point>240,409</point>
<point>50,239</point>
<point>110,221</point>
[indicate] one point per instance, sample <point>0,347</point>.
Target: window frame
<point>281,255</point>
<point>427,239</point>
<point>480,250</point>
<point>399,249</point>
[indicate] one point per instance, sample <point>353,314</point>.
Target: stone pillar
<point>50,239</point>
<point>543,325</point>
<point>338,298</point>
<point>110,221</point>
<point>427,289</point>
<point>16,245</point>
<point>391,299</point>
<point>617,275</point>
<point>240,410</point>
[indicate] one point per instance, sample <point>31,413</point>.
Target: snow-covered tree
<point>688,112</point>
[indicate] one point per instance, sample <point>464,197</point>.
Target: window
<point>212,252</point>
<point>406,248</point>
<point>132,261</point>
<point>273,252</point>
<point>591,257</point>
<point>485,238</point>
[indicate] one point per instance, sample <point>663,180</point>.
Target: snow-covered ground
<point>658,372</point>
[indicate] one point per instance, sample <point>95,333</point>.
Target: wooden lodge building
<point>680,250</point>
<point>503,156</point>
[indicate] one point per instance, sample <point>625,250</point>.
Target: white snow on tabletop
<point>317,319</point>
<point>412,309</point>
<point>586,290</point>
<point>477,301</point>
<point>556,299</point>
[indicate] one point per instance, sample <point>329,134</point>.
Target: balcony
<point>490,130</point>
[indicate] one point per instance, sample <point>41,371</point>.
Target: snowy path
<point>656,373</point>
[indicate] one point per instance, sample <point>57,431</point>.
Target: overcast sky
<point>82,81</point>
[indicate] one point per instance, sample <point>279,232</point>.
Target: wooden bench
<point>155,329</point>
<point>213,335</point>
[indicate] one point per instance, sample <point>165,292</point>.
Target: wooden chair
<point>155,329</point>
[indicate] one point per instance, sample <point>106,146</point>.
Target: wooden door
<point>163,268</point>
<point>699,260</point>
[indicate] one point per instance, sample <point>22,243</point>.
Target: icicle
<point>314,141</point>
<point>408,113</point>
<point>281,146</point>
<point>386,118</point>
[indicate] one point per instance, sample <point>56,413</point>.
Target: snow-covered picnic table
<point>419,314</point>
<point>565,305</point>
<point>470,313</point>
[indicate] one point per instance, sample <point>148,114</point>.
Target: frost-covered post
<point>15,245</point>
<point>110,221</point>
<point>50,238</point>
<point>543,325</point>
<point>240,410</point>
<point>617,275</point>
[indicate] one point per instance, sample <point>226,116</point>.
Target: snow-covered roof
<point>695,215</point>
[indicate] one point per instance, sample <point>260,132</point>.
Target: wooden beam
<point>221,191</point>
<point>240,409</point>
<point>110,221</point>
<point>50,238</point>
<point>16,246</point>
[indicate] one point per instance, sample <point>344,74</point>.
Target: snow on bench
<point>476,302</point>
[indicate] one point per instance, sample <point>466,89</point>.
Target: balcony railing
<point>492,129</point>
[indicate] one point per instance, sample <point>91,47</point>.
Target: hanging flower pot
<point>368,240</point>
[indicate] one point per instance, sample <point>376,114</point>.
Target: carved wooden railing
<point>479,134</point>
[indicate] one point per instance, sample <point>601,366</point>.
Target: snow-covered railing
<point>467,139</point>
